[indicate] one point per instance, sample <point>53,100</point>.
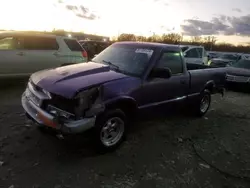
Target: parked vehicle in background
<point>238,74</point>
<point>194,54</point>
<point>212,55</point>
<point>22,53</point>
<point>224,60</point>
<point>93,47</point>
<point>125,79</point>
<point>245,56</point>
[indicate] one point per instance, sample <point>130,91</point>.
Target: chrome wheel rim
<point>204,103</point>
<point>112,131</point>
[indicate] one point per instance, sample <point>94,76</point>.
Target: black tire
<point>205,96</point>
<point>115,115</point>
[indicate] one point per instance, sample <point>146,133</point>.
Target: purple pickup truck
<point>123,80</point>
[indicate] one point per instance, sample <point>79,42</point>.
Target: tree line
<point>209,42</point>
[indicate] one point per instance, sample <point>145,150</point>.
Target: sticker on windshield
<point>145,51</point>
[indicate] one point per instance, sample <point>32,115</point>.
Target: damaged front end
<point>65,115</point>
<point>89,103</point>
<point>84,106</point>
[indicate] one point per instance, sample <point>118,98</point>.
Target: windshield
<point>229,56</point>
<point>125,58</point>
<point>245,64</point>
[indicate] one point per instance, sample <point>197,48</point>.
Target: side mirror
<point>184,54</point>
<point>161,73</point>
<point>95,55</point>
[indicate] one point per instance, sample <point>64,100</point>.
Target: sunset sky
<point>228,20</point>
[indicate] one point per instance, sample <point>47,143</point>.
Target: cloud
<point>236,10</point>
<point>198,27</point>
<point>82,12</point>
<point>225,25</point>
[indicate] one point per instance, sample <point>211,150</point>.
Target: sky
<point>229,21</point>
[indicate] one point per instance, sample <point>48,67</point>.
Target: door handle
<point>20,53</point>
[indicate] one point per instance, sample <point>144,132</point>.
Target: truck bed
<point>199,77</point>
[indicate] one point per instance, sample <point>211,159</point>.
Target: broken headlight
<point>86,100</point>
<point>59,112</point>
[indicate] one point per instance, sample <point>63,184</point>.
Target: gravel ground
<point>176,151</point>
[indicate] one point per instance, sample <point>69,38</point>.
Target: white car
<point>22,53</point>
<point>245,56</point>
<point>194,54</point>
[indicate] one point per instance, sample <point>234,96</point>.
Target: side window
<point>20,43</point>
<point>171,60</point>
<point>7,43</point>
<point>73,45</point>
<point>205,54</point>
<point>192,53</point>
<point>200,52</point>
<point>39,43</point>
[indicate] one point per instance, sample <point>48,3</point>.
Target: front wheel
<point>203,103</point>
<point>110,130</point>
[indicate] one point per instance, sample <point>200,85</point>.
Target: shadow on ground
<point>167,151</point>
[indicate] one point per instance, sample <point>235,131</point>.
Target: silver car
<point>22,53</point>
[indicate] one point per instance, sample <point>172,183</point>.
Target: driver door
<point>159,92</point>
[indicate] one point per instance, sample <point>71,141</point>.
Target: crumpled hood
<point>238,71</point>
<point>68,80</point>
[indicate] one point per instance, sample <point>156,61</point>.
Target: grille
<point>237,78</point>
<point>33,97</point>
<point>62,103</point>
<point>230,78</point>
<point>241,78</point>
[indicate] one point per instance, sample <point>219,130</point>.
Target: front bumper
<point>43,118</point>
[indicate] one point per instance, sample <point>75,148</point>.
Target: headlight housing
<point>59,112</point>
<point>85,100</point>
<point>47,93</point>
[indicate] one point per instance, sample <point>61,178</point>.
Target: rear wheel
<point>110,130</point>
<point>203,103</point>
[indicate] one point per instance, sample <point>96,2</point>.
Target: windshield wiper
<point>111,64</point>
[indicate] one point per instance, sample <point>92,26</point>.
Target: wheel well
<point>209,87</point>
<point>127,106</point>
